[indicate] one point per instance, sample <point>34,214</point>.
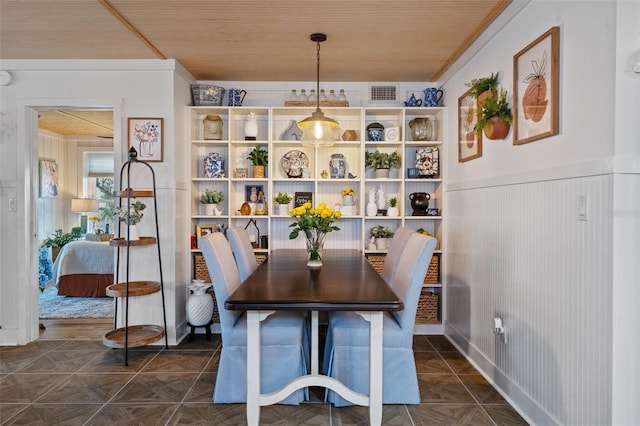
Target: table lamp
<point>84,206</point>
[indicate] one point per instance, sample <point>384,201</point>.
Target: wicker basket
<point>200,269</point>
<point>433,273</point>
<point>377,261</point>
<point>427,312</point>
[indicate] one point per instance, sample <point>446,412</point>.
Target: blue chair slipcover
<point>283,335</point>
<point>347,345</point>
<point>398,242</point>
<point>242,251</point>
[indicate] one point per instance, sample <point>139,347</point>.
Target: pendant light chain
<point>318,76</point>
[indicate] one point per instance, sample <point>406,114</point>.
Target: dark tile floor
<point>81,382</point>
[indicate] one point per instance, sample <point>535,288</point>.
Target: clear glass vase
<point>315,244</point>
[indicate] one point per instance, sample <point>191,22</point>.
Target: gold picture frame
<point>536,89</point>
<point>469,142</point>
<point>204,229</point>
<point>146,135</point>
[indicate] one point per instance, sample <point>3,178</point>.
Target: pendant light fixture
<point>318,129</point>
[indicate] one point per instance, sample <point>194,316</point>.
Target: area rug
<point>53,306</point>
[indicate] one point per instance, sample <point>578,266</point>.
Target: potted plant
<point>259,159</point>
<point>393,207</point>
<point>481,85</point>
<point>381,233</point>
<point>283,199</point>
<point>382,162</point>
<point>210,199</point>
<point>495,117</point>
<point>132,218</point>
<point>348,196</point>
<point>60,238</point>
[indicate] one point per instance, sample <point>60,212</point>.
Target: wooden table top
<point>346,281</point>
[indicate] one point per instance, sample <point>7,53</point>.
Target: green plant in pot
<point>382,161</point>
<point>381,233</point>
<point>210,198</point>
<point>393,211</point>
<point>60,238</point>
<point>480,85</point>
<point>259,158</point>
<point>495,117</point>
<point>283,199</point>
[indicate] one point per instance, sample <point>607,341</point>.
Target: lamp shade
<point>317,130</point>
<point>84,205</point>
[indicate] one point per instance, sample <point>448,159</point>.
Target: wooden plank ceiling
<point>254,40</point>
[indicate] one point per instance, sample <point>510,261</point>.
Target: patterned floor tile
<point>208,414</point>
<point>481,389</point>
<point>178,361</point>
<point>26,388</point>
<point>448,414</point>
<point>87,388</point>
<point>391,415</point>
<point>9,410</point>
<point>154,387</point>
<point>504,415</point>
<point>441,343</point>
<point>431,363</point>
<point>133,414</point>
<point>112,361</point>
<point>60,362</point>
<point>443,388</point>
<point>458,362</point>
<point>54,414</point>
<point>202,390</point>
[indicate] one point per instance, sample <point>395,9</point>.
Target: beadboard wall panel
<point>519,252</point>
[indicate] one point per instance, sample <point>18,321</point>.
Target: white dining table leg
<point>375,368</point>
<point>253,365</point>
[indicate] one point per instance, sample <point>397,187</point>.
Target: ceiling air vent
<point>380,93</point>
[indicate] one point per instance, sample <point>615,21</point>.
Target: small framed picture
<point>146,136</point>
<point>392,134</point>
<point>204,229</point>
<point>412,173</point>
<point>251,193</point>
<point>242,173</point>
<point>300,198</point>
<point>469,142</point>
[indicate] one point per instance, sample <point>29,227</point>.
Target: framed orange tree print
<point>535,89</point>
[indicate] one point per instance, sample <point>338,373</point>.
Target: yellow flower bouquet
<point>314,223</point>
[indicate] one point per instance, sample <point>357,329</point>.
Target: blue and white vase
<point>213,165</point>
<point>337,166</point>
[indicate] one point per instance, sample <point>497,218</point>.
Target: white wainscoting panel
<point>519,252</point>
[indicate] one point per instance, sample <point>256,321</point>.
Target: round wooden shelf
<point>122,242</point>
<point>136,288</point>
<point>139,335</point>
<point>133,193</point>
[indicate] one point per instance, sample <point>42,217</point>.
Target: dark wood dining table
<point>345,282</point>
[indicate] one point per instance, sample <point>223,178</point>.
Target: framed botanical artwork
<point>469,142</point>
<point>146,135</point>
<point>204,229</point>
<point>48,179</point>
<point>536,89</point>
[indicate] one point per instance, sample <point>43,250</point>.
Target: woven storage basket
<point>433,272</point>
<point>377,261</point>
<point>200,269</point>
<point>427,312</point>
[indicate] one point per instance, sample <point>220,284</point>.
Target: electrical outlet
<point>583,208</point>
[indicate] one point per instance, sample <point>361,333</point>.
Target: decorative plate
<point>293,162</point>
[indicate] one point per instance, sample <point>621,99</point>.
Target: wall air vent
<point>382,93</point>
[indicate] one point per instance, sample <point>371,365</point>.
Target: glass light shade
<point>317,130</point>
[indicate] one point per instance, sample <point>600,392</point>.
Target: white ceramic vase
<point>283,209</point>
<point>381,243</point>
<point>393,212</point>
<point>209,209</point>
<point>199,304</point>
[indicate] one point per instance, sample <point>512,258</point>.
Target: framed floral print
<point>48,179</point>
<point>146,136</point>
<point>469,142</point>
<point>536,89</point>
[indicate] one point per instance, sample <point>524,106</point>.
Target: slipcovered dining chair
<point>347,344</point>
<point>242,251</point>
<point>392,258</point>
<point>283,335</point>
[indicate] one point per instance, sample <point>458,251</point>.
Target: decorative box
<point>213,165</point>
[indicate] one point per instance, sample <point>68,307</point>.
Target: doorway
<point>79,141</point>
